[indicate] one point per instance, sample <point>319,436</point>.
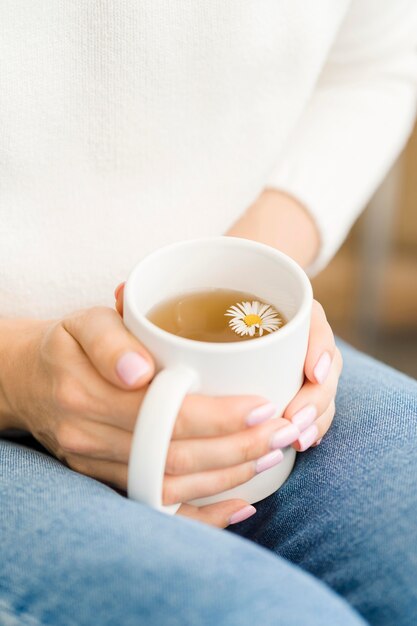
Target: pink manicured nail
<point>269,460</point>
<point>308,437</point>
<point>322,367</point>
<point>243,514</point>
<point>304,417</point>
<point>131,366</point>
<point>285,436</point>
<point>261,414</point>
<point>318,442</point>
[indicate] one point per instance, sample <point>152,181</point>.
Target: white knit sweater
<point>125,125</point>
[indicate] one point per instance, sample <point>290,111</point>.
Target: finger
<point>320,346</point>
<point>106,442</point>
<point>221,514</point>
<point>112,349</point>
<point>95,440</point>
<point>317,430</point>
<point>109,472</point>
<point>118,294</point>
<point>199,416</point>
<point>211,416</point>
<point>312,399</point>
<point>188,456</point>
<point>318,442</point>
<point>203,484</point>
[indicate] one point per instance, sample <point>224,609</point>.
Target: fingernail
<point>285,436</point>
<point>268,460</point>
<point>243,514</point>
<point>304,417</point>
<point>308,437</point>
<point>261,414</point>
<point>322,368</point>
<point>318,442</point>
<point>131,366</point>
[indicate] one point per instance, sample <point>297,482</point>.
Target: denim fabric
<point>348,512</point>
<point>74,552</point>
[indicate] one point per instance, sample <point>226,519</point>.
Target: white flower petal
<point>270,317</point>
<point>270,320</point>
<point>234,310</point>
<point>263,309</point>
<point>269,329</point>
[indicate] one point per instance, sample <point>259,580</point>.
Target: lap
<point>74,551</point>
<point>347,512</point>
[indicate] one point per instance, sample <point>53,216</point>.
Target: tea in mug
<point>217,315</point>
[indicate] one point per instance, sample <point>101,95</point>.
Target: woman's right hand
<point>76,384</point>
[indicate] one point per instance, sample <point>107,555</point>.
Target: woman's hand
<point>313,408</point>
<point>282,222</point>
<point>76,384</point>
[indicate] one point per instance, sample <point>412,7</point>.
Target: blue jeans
<point>336,545</point>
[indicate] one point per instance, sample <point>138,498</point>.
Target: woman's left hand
<point>313,408</point>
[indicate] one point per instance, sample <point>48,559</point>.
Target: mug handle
<point>152,435</point>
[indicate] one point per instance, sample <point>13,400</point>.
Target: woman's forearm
<point>13,342</point>
<point>6,418</point>
<point>281,222</point>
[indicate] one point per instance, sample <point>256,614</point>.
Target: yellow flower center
<point>252,319</point>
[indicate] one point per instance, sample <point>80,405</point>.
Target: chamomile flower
<point>247,317</point>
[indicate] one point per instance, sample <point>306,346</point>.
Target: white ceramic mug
<point>270,366</point>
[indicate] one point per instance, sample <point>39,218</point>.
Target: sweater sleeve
<point>357,121</point>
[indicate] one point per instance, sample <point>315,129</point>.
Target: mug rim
<point>234,346</point>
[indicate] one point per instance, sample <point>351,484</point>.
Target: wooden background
<point>369,290</point>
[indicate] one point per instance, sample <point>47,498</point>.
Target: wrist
<point>15,340</point>
<point>282,222</point>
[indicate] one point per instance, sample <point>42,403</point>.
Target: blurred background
<point>369,290</point>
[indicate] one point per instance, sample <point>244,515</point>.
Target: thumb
<point>113,351</point>
<point>321,346</point>
<point>220,514</point>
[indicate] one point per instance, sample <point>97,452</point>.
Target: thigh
<point>75,552</point>
<point>348,512</point>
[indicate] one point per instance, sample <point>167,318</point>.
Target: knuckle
<point>93,312</point>
<point>220,482</point>
<point>248,447</point>
<point>232,480</point>
<point>178,460</point>
<point>69,437</point>
<point>235,477</point>
<point>170,493</point>
<point>69,395</point>
<point>75,320</point>
<point>53,342</point>
<point>77,464</point>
